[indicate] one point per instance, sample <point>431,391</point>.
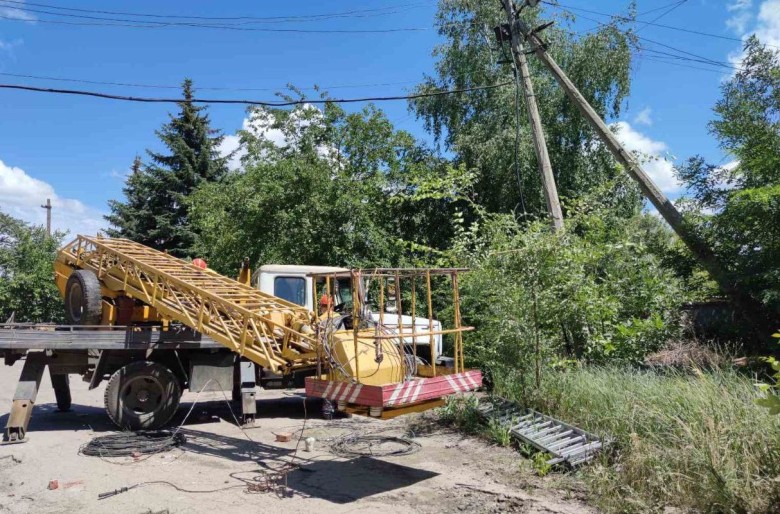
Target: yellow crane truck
<point>153,325</point>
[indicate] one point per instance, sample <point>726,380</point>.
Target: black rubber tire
<point>127,386</point>
<point>61,386</point>
<point>83,302</point>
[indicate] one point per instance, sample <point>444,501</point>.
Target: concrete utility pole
<point>537,131</point>
<point>48,215</point>
<point>750,308</point>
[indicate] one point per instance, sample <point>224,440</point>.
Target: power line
<point>651,22</point>
<point>353,13</point>
<point>571,9</point>
<point>698,58</point>
<point>263,103</point>
<point>150,24</point>
<point>170,86</point>
<point>675,62</point>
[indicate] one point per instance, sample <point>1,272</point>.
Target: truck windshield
<point>292,289</point>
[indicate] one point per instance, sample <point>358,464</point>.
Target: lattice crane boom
<point>271,332</point>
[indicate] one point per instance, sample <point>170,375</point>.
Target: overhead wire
<point>574,10</point>
<point>200,88</point>
<point>152,24</point>
<point>378,11</point>
<point>264,103</point>
<point>690,55</point>
<point>646,24</point>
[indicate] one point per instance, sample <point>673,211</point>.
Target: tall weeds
<point>695,441</point>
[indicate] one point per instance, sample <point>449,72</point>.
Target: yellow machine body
<point>371,365</point>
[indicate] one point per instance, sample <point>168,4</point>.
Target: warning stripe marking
<point>355,393</point>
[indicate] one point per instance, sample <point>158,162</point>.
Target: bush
<point>594,291</point>
<point>696,441</point>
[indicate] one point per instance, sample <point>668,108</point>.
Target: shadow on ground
<point>46,417</point>
<point>342,481</point>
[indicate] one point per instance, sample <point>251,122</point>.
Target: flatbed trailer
<point>97,353</point>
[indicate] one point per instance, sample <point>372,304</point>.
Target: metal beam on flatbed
<point>45,337</point>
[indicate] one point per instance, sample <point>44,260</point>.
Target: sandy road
<point>449,474</point>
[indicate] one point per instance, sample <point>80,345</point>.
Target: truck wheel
<point>83,303</point>
<point>142,395</point>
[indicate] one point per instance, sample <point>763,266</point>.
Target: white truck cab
<point>294,284</point>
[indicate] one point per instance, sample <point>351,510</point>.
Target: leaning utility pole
<point>750,308</point>
<point>537,131</point>
<point>48,215</point>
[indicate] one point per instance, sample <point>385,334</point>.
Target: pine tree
<point>155,210</point>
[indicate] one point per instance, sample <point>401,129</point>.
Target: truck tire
<point>142,395</point>
<point>83,302</point>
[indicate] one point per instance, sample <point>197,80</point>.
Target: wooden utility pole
<point>750,308</point>
<point>537,131</point>
<point>48,215</point>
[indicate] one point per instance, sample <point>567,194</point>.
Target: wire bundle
<point>133,443</point>
<point>355,445</point>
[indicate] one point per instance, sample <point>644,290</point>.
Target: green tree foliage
<point>327,189</point>
<point>594,291</point>
<point>479,127</point>
<point>738,206</point>
<point>155,211</point>
<point>27,287</point>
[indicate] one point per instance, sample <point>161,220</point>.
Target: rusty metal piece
<point>24,398</point>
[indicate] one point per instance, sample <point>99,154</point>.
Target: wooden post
<point>48,215</point>
<point>537,131</point>
<point>751,309</point>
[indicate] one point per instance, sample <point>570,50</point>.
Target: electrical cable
<point>374,446</point>
<point>645,24</point>
<point>221,18</point>
<point>200,88</point>
<point>274,480</point>
<point>147,24</point>
<point>571,10</point>
<point>109,96</point>
<point>132,443</point>
<point>692,56</point>
<point>517,140</point>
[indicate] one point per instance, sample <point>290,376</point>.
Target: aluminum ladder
<point>566,444</point>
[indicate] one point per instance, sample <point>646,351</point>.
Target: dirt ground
<point>450,472</point>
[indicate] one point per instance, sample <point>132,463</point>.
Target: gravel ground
<point>450,472</point>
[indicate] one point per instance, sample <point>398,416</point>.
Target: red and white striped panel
<point>394,395</point>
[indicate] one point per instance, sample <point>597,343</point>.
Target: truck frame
<point>154,325</point>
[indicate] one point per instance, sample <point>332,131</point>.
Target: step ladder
<point>566,444</point>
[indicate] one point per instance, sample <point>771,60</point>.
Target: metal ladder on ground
<point>259,326</point>
<point>563,442</point>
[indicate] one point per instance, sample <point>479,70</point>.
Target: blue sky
<point>77,150</point>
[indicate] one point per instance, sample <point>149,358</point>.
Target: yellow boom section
<point>267,330</point>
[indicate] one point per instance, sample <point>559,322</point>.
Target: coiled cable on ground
<point>355,445</point>
<point>127,444</point>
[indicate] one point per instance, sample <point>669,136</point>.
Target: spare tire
<point>83,301</point>
<point>142,395</point>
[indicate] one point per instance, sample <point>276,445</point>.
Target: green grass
<point>695,441</point>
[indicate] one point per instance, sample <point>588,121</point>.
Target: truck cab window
<point>292,289</point>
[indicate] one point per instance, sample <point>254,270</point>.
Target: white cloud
<point>644,117</point>
<point>740,16</point>
<point>652,155</point>
<point>730,166</point>
<point>21,196</point>
<point>259,125</point>
<point>766,29</point>
<point>17,13</point>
